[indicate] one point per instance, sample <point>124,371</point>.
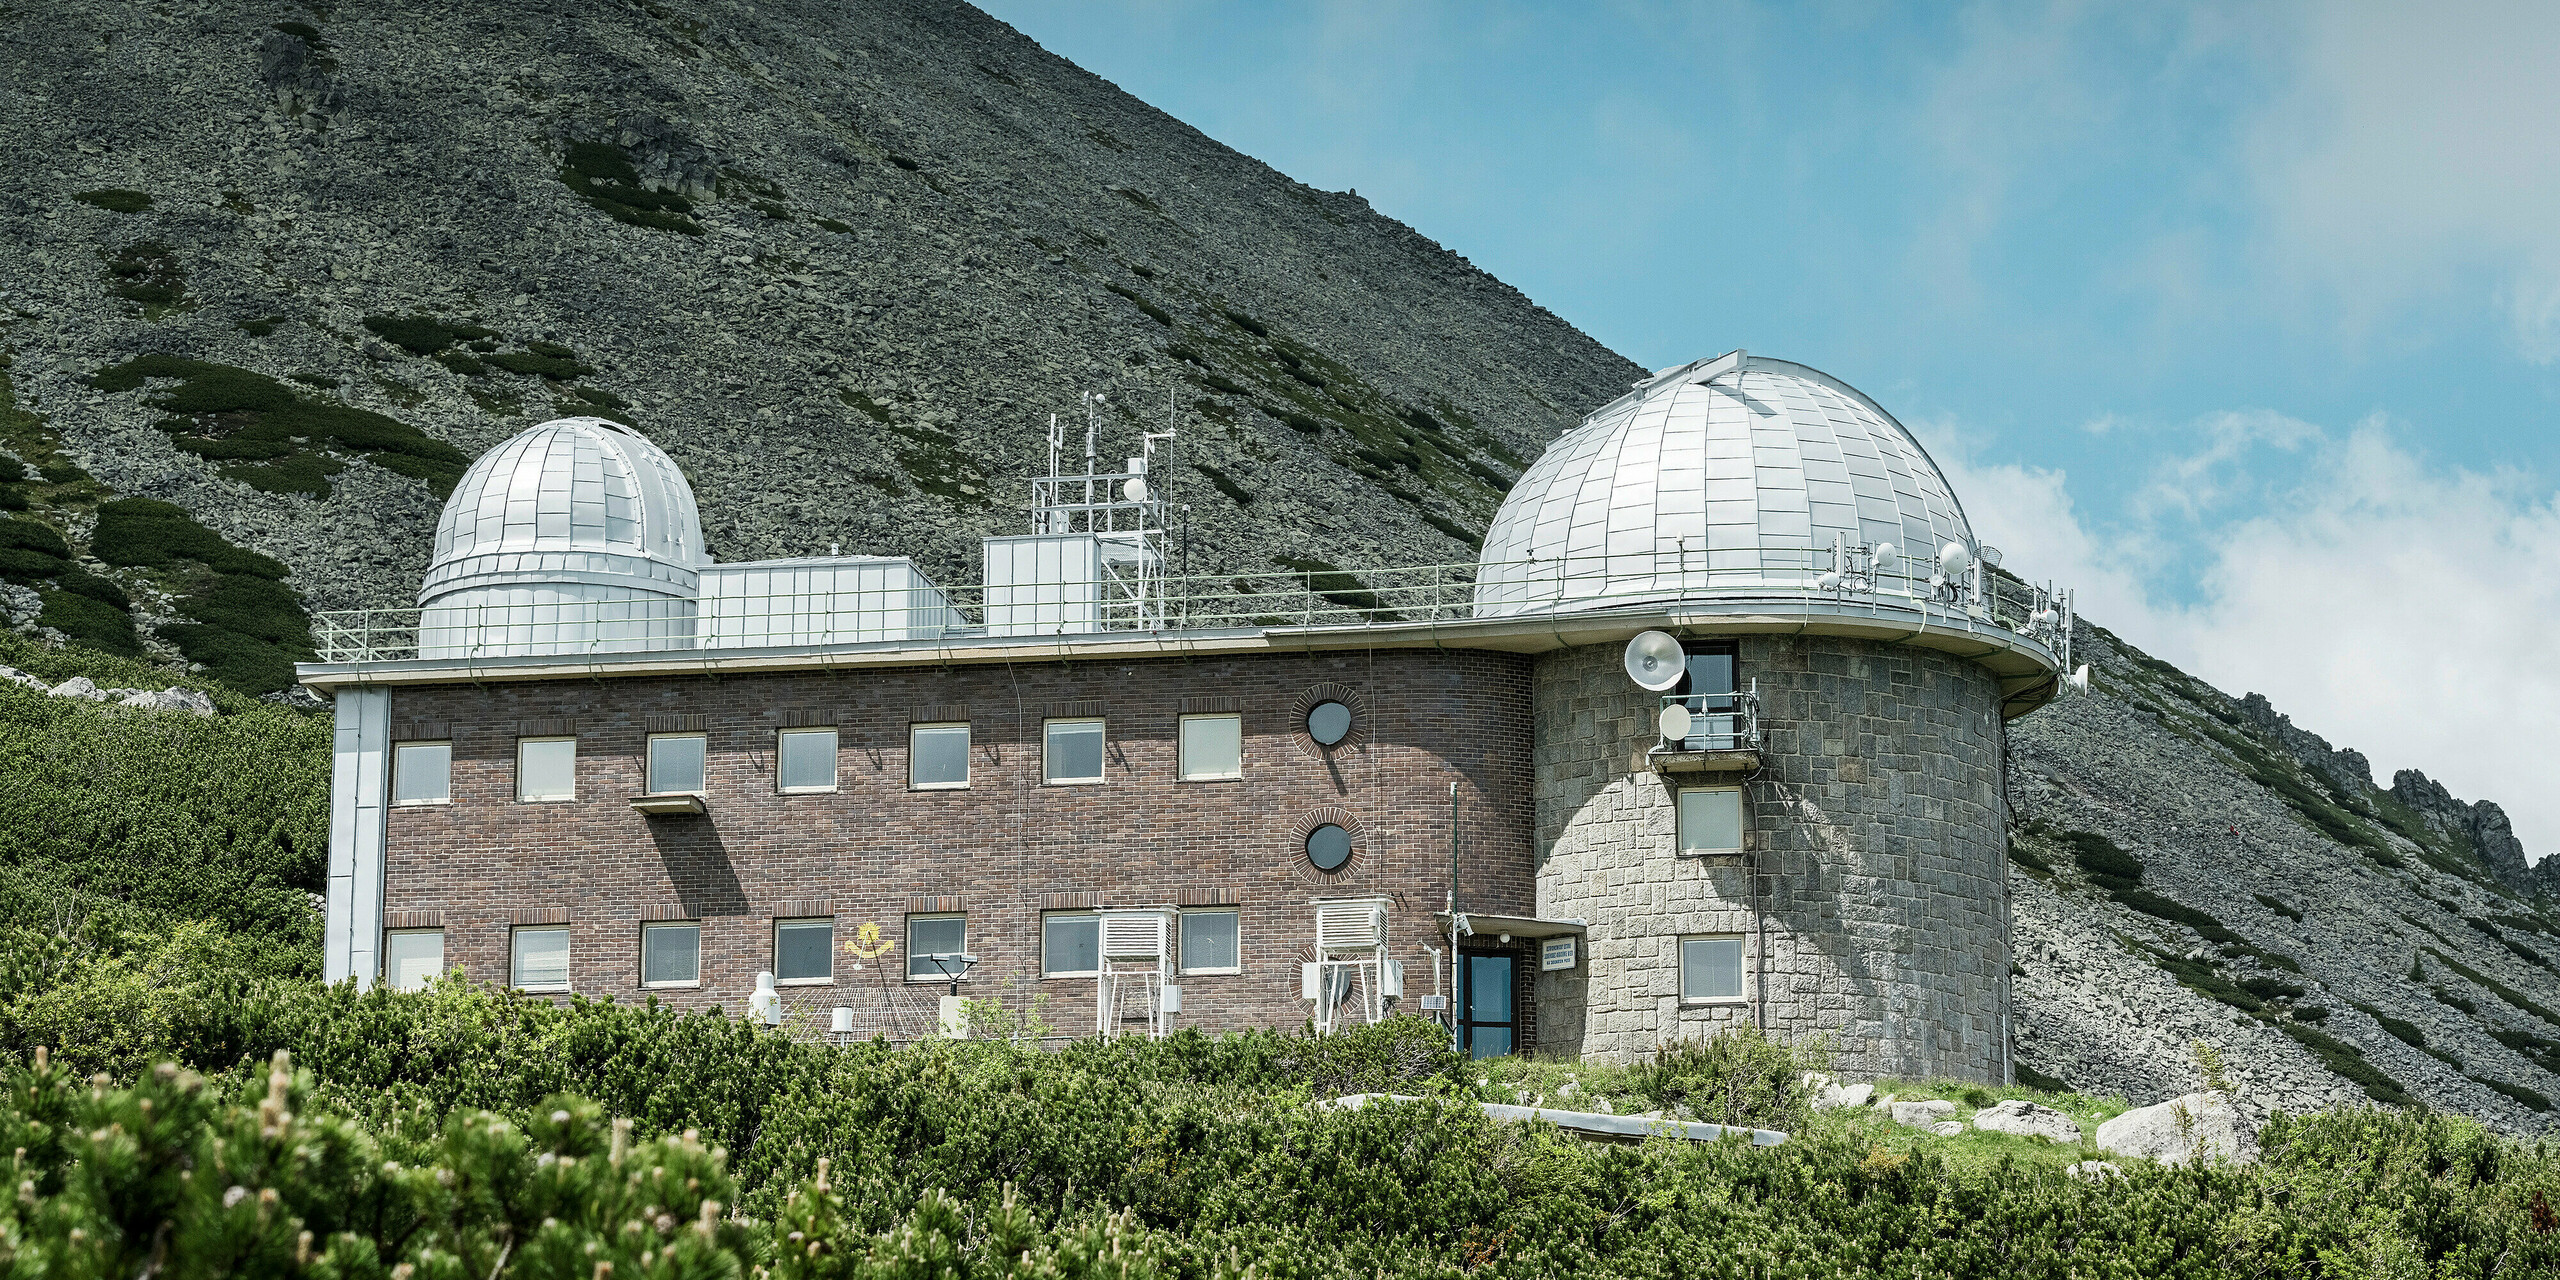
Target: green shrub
<point>602,174</point>
<point>423,335</point>
<point>1734,1077</point>
<point>244,625</point>
<point>147,272</point>
<point>2279,908</point>
<point>2400,1029</point>
<point>2028,858</point>
<point>2099,856</point>
<point>2344,1059</point>
<point>2266,988</point>
<point>115,200</point>
<point>227,413</point>
<point>2521,1096</point>
<point>92,611</point>
<point>555,368</point>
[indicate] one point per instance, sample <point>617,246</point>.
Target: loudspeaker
<point>1655,660</point>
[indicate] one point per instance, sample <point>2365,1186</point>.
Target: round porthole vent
<point>1329,723</point>
<point>1328,847</point>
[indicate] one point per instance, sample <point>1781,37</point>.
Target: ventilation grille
<point>1350,926</point>
<point>1133,937</point>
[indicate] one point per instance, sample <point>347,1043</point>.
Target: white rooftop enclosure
<point>1734,472</point>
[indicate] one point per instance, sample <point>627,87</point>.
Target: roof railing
<point>496,624</point>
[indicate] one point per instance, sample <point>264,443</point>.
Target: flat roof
<point>2028,671</point>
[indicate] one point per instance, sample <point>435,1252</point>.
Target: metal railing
<point>1776,580</point>
<point>1717,721</point>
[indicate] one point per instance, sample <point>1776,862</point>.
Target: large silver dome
<point>1735,473</point>
<point>577,532</point>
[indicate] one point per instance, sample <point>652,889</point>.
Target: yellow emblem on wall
<point>867,942</point>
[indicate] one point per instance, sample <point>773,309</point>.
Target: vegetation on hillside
<point>462,1131</point>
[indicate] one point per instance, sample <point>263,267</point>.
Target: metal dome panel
<point>1724,474</point>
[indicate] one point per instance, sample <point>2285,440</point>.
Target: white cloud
<point>2411,152</point>
<point>2398,608</point>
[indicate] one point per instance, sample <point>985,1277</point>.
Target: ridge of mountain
<point>281,270</point>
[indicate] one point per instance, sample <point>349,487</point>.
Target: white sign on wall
<point>1556,953</point>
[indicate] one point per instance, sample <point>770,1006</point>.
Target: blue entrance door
<point>1487,1023</point>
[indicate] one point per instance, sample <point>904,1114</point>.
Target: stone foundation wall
<point>1877,831</point>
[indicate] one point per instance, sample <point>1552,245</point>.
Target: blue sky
<point>2247,323</point>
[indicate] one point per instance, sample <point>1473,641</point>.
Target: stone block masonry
<point>1876,829</point>
<point>1000,850</point>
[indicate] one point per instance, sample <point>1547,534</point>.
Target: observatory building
<point>1711,734</point>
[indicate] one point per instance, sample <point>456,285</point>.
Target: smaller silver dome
<point>574,500</point>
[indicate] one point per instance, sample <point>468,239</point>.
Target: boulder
<point>168,700</point>
<point>78,687</point>
<point>2190,1127</point>
<point>17,677</point>
<point>2095,1170</point>
<point>1921,1115</point>
<point>1948,1128</point>
<point>2027,1120</point>
<point>1843,1095</point>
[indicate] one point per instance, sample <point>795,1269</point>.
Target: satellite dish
<point>2079,680</point>
<point>1952,559</point>
<point>1829,581</point>
<point>1884,555</point>
<point>1990,556</point>
<point>1656,661</point>
<point>1135,490</point>
<point>1674,722</point>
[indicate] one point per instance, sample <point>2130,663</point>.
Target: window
<point>1711,969</point>
<point>1209,942</point>
<point>937,756</point>
<point>411,956</point>
<point>1070,945</point>
<point>931,936</point>
<point>1212,748</point>
<point>804,760</point>
<point>422,773</point>
<point>671,955</point>
<point>1711,820</point>
<point>546,768</point>
<point>804,950</point>
<point>1709,689</point>
<point>1072,751</point>
<point>541,961</point>
<point>676,764</point>
<point>1328,847</point>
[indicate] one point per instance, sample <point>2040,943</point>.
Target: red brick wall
<point>1139,839</point>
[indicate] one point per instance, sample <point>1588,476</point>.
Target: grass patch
<point>146,272</point>
<point>2496,988</point>
<point>244,624</point>
<point>275,437</point>
<point>116,200</point>
<point>2344,1059</point>
<point>602,174</point>
<point>423,335</point>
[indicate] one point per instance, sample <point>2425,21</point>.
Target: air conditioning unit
<point>1136,935</point>
<point>1351,924</point>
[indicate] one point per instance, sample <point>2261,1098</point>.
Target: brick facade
<point>873,850</point>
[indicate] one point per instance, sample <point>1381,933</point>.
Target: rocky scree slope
<point>2187,867</point>
<point>284,268</point>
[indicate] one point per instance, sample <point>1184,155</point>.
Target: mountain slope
<point>841,261</point>
<point>2189,866</point>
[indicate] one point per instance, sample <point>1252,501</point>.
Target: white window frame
<point>786,922</point>
<point>679,984</point>
<point>515,952</point>
<point>1182,770</point>
<point>968,743</point>
<point>910,943</point>
<point>521,744</point>
<point>389,979</point>
<point>835,760</point>
<point>1189,968</point>
<point>1680,821</point>
<point>399,750</point>
<point>1741,970</point>
<point>1093,918</point>
<point>1102,757</point>
<point>649,764</point>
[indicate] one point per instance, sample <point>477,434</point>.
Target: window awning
<point>1478,922</point>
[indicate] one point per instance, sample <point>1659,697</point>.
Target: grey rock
<point>2027,1119</point>
<point>2095,1170</point>
<point>17,677</point>
<point>2195,1126</point>
<point>1843,1095</point>
<point>187,700</point>
<point>1948,1128</point>
<point>78,687</point>
<point>1921,1115</point>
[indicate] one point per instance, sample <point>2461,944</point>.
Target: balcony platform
<point>1737,760</point>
